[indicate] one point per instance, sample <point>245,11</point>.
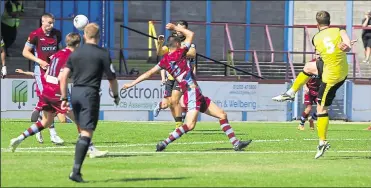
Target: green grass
<point>279,156</point>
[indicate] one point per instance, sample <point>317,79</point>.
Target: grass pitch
<point>279,155</point>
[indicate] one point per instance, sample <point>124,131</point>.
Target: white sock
<point>52,131</point>
<point>290,92</point>
<point>322,142</point>
<point>91,147</point>
<point>21,137</point>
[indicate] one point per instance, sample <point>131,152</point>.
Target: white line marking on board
<point>183,143</point>
<point>194,152</point>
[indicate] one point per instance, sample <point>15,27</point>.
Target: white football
<point>80,21</point>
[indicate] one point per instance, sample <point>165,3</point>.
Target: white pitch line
<point>120,146</point>
<point>182,143</point>
<point>196,152</point>
<point>342,139</point>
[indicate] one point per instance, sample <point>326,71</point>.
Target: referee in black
<point>86,65</point>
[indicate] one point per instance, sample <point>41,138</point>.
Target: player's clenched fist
<point>161,39</point>
<point>344,47</point>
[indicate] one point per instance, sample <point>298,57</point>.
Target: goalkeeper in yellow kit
<point>331,44</point>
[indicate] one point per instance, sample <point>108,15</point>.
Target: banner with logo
<point>20,94</point>
<point>144,96</point>
<point>232,96</point>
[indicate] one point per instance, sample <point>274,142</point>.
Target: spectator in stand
<point>10,22</point>
<point>366,36</point>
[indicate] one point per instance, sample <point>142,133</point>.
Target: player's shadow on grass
<point>219,149</point>
<point>74,142</point>
<point>346,130</point>
<point>103,142</point>
<point>118,155</point>
<point>209,130</point>
<point>137,179</point>
<point>348,157</point>
<point>206,132</point>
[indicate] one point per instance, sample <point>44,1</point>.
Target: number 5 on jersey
<point>330,46</point>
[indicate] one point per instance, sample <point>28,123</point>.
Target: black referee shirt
<point>87,64</point>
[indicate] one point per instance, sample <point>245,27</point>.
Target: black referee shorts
<point>85,103</point>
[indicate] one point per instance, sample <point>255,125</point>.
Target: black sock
<point>178,119</point>
<point>303,118</point>
<point>81,149</point>
<point>314,116</point>
<point>183,116</point>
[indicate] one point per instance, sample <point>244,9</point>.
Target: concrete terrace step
<point>269,70</point>
<point>365,71</point>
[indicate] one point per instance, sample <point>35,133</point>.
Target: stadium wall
<point>261,12</point>
<point>305,14</point>
<point>243,101</point>
<point>361,104</point>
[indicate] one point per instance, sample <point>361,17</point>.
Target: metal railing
<point>288,53</point>
<point>307,45</point>
<point>354,27</point>
<point>256,61</point>
<point>266,30</point>
<point>197,54</point>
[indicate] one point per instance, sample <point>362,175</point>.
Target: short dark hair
<point>172,40</point>
<point>48,15</point>
<point>182,22</point>
<point>175,38</point>
<point>323,18</point>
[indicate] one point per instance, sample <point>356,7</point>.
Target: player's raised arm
<point>186,32</point>
<point>345,45</point>
<point>192,51</point>
<point>161,50</point>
